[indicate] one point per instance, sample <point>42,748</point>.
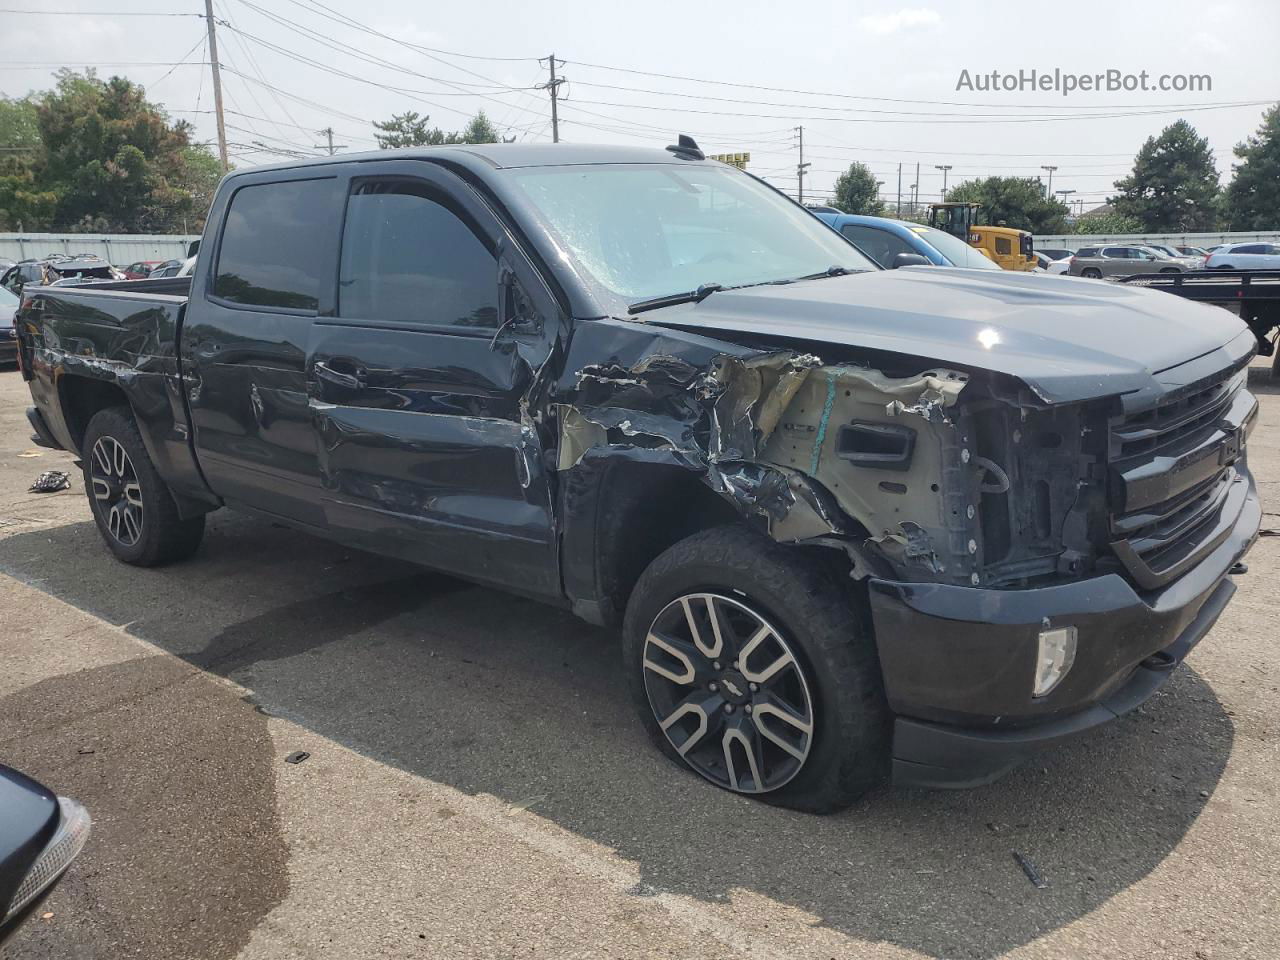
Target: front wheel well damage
<point>642,510</point>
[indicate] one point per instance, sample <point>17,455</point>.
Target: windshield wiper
<point>833,271</point>
<point>671,299</point>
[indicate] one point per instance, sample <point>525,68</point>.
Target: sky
<point>876,83</point>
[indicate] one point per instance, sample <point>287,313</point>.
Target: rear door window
<point>275,244</point>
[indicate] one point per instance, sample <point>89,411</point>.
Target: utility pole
<point>330,146</point>
<point>944,167</point>
<point>553,87</point>
<point>1048,192</point>
<point>915,191</point>
<point>801,166</point>
<point>217,85</point>
<point>899,191</point>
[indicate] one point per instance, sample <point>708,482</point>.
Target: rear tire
<point>737,712</point>
<point>132,506</point>
<point>1091,273</point>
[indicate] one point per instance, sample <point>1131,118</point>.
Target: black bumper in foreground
<point>958,662</point>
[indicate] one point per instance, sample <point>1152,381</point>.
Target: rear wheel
<point>132,506</point>
<point>1093,273</point>
<point>1170,270</point>
<point>752,664</point>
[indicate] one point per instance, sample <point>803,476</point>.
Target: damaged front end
<point>919,473</point>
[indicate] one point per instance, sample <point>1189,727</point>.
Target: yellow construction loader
<point>1009,248</point>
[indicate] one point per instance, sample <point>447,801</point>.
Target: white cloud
<point>886,23</point>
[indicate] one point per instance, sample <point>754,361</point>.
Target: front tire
<point>753,664</point>
<point>132,506</point>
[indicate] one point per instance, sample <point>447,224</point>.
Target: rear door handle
<point>340,378</point>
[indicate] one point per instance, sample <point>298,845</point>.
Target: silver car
<point>1125,261</point>
<point>1245,256</point>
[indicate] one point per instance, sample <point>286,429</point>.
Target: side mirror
<point>40,834</point>
<point>910,260</point>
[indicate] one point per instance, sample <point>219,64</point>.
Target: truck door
<point>244,340</point>
<point>418,382</point>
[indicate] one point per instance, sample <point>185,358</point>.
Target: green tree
<point>413,130</point>
<point>407,130</point>
<point>1017,202</point>
<point>113,159</point>
<point>1107,223</point>
<point>857,191</point>
<point>480,130</point>
<point>1253,196</point>
<point>19,131</point>
<point>1174,185</point>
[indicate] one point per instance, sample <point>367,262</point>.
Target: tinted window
<point>408,258</point>
<point>954,250</point>
<point>274,244</point>
<point>1004,246</point>
<point>1250,248</point>
<point>1087,252</point>
<point>880,245</point>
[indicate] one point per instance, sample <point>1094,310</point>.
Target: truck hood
<point>1066,338</point>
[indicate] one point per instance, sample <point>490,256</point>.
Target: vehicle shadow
<point>495,694</point>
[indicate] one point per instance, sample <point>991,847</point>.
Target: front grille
<point>1172,474</point>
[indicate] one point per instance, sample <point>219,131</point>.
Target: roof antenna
<point>687,148</point>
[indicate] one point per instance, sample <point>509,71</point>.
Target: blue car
<point>883,240</point>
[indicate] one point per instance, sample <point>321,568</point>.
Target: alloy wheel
<point>728,692</point>
<point>116,490</point>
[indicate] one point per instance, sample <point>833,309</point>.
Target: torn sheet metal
<point>765,429</point>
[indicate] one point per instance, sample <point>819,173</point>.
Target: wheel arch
<point>80,398</point>
<point>619,515</point>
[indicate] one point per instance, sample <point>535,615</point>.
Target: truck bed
<point>121,338</point>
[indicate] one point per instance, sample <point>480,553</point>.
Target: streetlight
<point>944,167</point>
<point>1049,189</point>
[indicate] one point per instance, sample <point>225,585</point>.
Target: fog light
<point>1056,653</point>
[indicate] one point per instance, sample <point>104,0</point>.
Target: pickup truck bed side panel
<point>124,339</point>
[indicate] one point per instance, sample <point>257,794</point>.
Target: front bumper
<point>958,661</point>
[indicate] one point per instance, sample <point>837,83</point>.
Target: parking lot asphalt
<point>478,787</point>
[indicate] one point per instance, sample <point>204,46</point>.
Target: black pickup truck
<point>851,522</point>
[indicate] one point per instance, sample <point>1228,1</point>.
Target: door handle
<point>339,378</point>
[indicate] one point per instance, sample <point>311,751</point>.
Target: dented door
<point>419,388</point>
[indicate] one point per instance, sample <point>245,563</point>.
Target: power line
<point>844,96</point>
<point>945,120</point>
<point>99,13</point>
<point>257,69</point>
<point>912,113</point>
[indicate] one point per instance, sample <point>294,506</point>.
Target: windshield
<point>955,250</point>
<point>651,230</point>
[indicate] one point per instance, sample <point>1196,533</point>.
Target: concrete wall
<point>1074,241</point>
<point>119,249</point>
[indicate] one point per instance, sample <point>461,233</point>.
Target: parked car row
<point>68,269</point>
<point>60,268</point>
